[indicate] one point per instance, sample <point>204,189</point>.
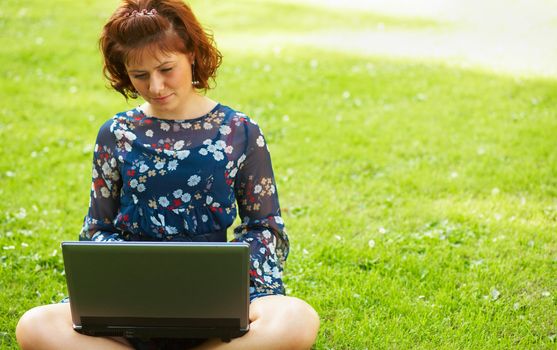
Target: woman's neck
<point>196,106</point>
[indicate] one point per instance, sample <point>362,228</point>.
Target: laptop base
<point>226,335</point>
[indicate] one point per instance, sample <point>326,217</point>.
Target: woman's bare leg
<point>277,322</point>
<point>50,327</point>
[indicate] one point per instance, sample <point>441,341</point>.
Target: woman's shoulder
<point>119,121</point>
<point>236,118</point>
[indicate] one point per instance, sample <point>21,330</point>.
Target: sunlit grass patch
<point>420,199</point>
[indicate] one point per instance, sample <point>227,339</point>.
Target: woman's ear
<point>191,57</point>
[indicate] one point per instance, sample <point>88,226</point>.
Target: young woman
<point>178,168</point>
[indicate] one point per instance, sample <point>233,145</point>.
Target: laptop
<point>158,289</point>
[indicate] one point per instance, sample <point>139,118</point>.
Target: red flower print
<point>99,183</point>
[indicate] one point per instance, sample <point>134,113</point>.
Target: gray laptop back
<point>158,289</point>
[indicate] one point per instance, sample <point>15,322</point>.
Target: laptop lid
<point>158,289</point>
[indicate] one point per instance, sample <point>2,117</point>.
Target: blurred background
<point>413,142</point>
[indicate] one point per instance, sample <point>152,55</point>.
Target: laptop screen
<point>158,289</point>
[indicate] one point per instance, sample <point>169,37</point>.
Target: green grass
<point>420,199</point>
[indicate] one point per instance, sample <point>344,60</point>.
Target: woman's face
<point>164,81</point>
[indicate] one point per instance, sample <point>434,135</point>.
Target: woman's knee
<point>25,326</point>
<point>305,325</point>
<point>36,324</point>
<point>292,321</point>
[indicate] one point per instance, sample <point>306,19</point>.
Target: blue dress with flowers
<point>185,180</point>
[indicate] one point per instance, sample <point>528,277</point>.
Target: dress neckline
<point>192,120</point>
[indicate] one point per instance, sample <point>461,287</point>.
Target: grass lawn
<point>420,199</point>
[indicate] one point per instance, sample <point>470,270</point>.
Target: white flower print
<point>233,172</point>
<point>260,141</point>
<point>209,199</point>
<point>266,234</point>
<point>133,183</point>
<point>204,218</point>
<point>228,149</point>
<point>165,126</point>
<point>143,168</point>
<point>172,165</point>
<point>194,180</point>
<point>225,130</point>
<point>106,169</point>
<point>129,113</point>
<point>266,267</point>
<point>135,200</point>
<point>105,192</point>
<point>130,135</point>
<point>119,134</point>
<point>257,189</point>
<point>183,154</point>
<point>179,145</point>
<point>241,159</point>
<point>207,142</point>
<point>159,165</point>
<point>149,133</point>
<point>218,155</point>
<point>127,146</point>
<point>212,148</point>
<point>177,193</point>
<point>272,249</point>
<point>157,222</point>
<point>230,164</point>
<point>203,152</point>
<point>278,220</point>
<point>163,201</point>
<point>95,173</point>
<point>220,144</point>
<point>186,197</point>
<point>207,126</point>
<point>140,188</point>
<point>171,230</point>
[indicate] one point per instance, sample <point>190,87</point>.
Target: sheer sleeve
<point>104,202</point>
<point>262,226</point>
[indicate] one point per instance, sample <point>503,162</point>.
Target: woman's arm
<point>104,202</point>
<point>262,226</point>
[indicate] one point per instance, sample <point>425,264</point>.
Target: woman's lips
<point>162,99</point>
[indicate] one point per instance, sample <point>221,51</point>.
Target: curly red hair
<point>165,25</point>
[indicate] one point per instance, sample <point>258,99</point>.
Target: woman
<point>176,168</point>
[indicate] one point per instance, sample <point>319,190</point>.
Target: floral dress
<point>185,180</point>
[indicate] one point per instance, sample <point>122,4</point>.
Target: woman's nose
<point>156,84</point>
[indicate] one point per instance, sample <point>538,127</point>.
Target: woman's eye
<point>166,70</point>
<point>140,76</point>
